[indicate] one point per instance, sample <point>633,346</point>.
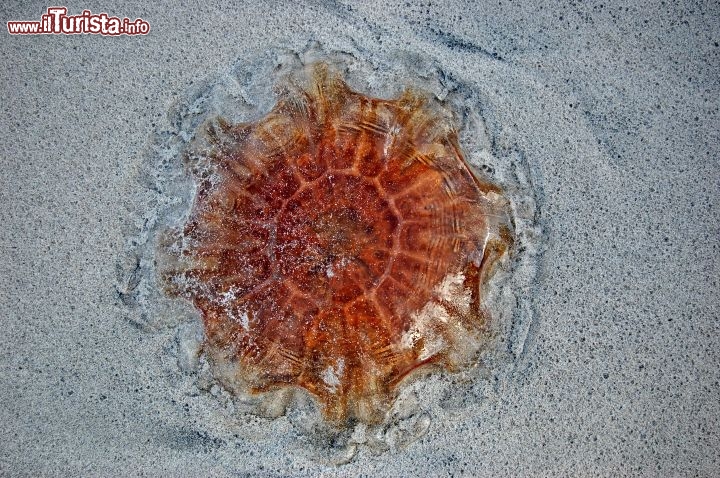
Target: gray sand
<point>614,109</point>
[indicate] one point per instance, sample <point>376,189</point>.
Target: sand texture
<point>602,123</point>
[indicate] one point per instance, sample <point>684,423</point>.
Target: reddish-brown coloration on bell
<point>337,245</point>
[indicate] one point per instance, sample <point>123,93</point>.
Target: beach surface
<point>613,111</point>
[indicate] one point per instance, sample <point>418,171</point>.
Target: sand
<point>611,109</point>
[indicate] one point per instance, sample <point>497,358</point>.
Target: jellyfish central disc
<point>335,238</point>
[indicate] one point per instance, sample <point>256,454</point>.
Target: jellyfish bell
<point>339,245</point>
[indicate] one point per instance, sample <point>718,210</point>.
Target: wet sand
<point>613,109</point>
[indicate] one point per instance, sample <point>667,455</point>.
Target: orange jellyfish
<point>337,245</point>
